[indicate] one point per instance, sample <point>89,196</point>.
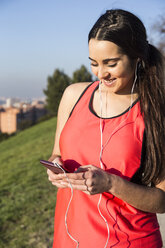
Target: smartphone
<point>55,167</point>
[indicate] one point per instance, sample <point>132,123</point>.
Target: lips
<point>109,82</point>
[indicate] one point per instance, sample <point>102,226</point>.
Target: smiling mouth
<point>109,82</point>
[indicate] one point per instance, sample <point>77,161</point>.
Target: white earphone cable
<point>103,146</point>
<point>101,165</point>
<point>131,102</point>
<point>66,214</point>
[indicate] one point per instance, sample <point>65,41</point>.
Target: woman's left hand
<point>89,179</point>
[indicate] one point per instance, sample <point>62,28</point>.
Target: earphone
<point>101,164</point>
<point>66,214</point>
<point>103,146</point>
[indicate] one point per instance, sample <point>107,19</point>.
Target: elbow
<point>161,210</point>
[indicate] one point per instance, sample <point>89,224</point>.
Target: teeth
<point>109,81</point>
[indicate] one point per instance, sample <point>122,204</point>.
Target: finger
<point>84,180</point>
<point>51,173</point>
<point>82,169</point>
<point>89,166</point>
<point>80,187</point>
<point>85,168</point>
<point>74,176</point>
<point>86,192</point>
<point>54,175</point>
<point>74,186</point>
<point>74,182</point>
<point>58,185</point>
<point>53,178</point>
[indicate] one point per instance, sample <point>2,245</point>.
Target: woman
<point>110,136</point>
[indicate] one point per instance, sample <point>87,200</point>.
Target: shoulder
<point>72,94</point>
<point>68,100</point>
<point>76,89</point>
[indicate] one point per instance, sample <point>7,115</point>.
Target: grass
<point>27,198</point>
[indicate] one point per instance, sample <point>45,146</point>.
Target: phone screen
<point>56,168</point>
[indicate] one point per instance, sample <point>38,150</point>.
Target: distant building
<point>10,102</point>
<point>8,120</point>
<point>13,119</point>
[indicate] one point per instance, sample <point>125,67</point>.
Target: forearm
<point>149,199</point>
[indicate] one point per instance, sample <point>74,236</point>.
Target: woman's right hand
<point>54,178</point>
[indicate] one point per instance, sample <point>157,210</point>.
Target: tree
<point>159,28</point>
<point>55,88</point>
<point>82,75</point>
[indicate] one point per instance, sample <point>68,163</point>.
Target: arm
<point>68,100</point>
<point>92,180</point>
<point>149,199</point>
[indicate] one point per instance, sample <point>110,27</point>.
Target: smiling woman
<point>113,68</point>
<point>110,137</point>
<point>116,72</point>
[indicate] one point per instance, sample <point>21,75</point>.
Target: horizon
<point>40,36</point>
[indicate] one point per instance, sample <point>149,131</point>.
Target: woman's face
<point>115,70</point>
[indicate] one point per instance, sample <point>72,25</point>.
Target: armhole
<point>79,99</point>
<point>137,177</point>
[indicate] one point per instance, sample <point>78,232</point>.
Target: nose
<point>102,72</point>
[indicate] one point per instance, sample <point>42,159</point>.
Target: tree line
<point>57,83</point>
<point>59,80</point>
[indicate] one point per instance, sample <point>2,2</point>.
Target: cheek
<point>94,70</point>
<point>125,72</point>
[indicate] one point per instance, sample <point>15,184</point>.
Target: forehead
<point>102,49</point>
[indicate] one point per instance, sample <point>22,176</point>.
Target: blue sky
<point>38,36</point>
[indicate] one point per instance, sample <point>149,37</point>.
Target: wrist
<point>115,181</point>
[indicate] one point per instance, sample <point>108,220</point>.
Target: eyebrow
<point>106,60</point>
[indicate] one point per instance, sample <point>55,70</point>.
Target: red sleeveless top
<point>80,145</point>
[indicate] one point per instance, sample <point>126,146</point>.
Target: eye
<point>113,65</point>
<point>93,64</point>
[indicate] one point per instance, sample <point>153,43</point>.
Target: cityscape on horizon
<point>17,114</point>
<point>39,36</point>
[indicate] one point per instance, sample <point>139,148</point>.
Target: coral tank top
<point>80,145</point>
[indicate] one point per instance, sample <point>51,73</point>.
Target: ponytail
<point>118,23</point>
<point>152,101</point>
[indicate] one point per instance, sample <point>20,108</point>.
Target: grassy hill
<point>27,198</point>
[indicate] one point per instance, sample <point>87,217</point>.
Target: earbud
<point>140,65</point>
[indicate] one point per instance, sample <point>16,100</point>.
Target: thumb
<point>85,168</point>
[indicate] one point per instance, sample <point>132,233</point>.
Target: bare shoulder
<point>73,92</point>
<point>76,89</point>
<point>68,100</point>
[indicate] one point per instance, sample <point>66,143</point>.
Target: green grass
<point>27,198</point>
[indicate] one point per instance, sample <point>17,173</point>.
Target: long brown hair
<point>128,32</point>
